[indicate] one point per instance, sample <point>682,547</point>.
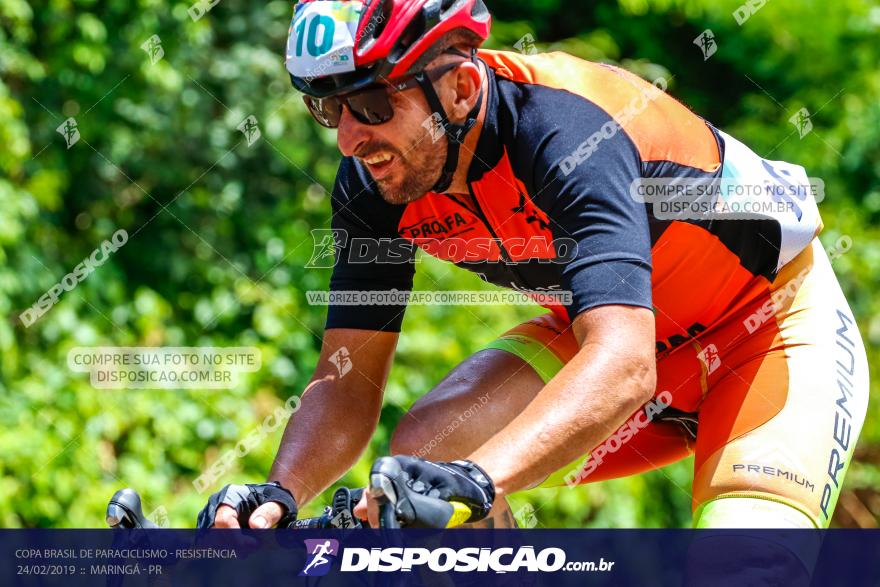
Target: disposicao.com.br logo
<point>444,559</point>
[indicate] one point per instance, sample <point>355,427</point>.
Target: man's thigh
<point>784,408</point>
<point>472,403</point>
<point>488,390</point>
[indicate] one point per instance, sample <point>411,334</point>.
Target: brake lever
<point>125,511</point>
<point>383,491</point>
<point>401,507</point>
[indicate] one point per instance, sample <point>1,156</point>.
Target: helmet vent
<point>372,30</point>
<point>378,20</point>
<point>412,33</point>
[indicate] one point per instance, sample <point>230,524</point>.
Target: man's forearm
<point>584,403</point>
<point>324,438</point>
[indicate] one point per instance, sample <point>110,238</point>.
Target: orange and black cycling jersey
<point>551,209</point>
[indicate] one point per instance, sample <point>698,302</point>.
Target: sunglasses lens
<point>326,111</point>
<point>371,106</point>
<point>367,106</point>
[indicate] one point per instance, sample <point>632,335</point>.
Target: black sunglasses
<point>372,105</point>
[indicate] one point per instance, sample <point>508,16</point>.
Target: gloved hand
<point>458,481</point>
<point>245,499</point>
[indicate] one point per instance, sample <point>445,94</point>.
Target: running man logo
<point>526,45</point>
<point>70,131</point>
<point>802,122</point>
<point>435,126</point>
<point>159,516</point>
<point>710,358</point>
<point>321,553</point>
<point>153,48</point>
<point>250,129</point>
<point>525,516</point>
<point>342,359</point>
<point>706,43</point>
<point>343,520</point>
<point>326,246</point>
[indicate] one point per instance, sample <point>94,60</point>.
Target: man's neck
<point>468,148</point>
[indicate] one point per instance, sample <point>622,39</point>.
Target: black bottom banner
<point>71,558</point>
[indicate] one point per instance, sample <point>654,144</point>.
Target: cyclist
<point>726,336</point>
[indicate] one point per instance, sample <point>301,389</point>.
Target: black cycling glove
<point>461,481</point>
<point>244,499</point>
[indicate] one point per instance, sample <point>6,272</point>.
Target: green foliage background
<point>219,231</point>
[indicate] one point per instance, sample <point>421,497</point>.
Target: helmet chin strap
<point>455,133</point>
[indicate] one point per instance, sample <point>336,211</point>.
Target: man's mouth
<point>379,165</point>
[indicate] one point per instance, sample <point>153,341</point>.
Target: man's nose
<point>350,134</point>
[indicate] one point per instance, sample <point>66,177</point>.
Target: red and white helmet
<point>391,37</point>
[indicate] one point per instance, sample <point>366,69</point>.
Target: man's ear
<point>466,90</point>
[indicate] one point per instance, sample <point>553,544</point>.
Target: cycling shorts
<point>779,389</point>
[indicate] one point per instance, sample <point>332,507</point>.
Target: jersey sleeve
<point>581,166</point>
<point>374,266</point>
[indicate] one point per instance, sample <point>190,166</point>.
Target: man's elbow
<point>622,337</point>
<point>641,379</point>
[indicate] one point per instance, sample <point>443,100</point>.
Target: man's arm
<point>610,377</point>
<point>609,277</point>
<point>340,407</point>
<point>337,416</point>
<point>606,381</point>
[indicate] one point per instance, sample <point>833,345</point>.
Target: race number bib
<point>781,183</point>
<point>322,38</point>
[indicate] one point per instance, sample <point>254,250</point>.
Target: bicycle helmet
<point>392,36</point>
<point>397,38</point>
